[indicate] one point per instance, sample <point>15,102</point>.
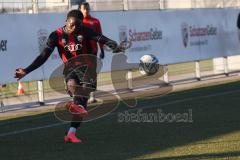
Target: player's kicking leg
<point>75,124</point>
<point>77,108</point>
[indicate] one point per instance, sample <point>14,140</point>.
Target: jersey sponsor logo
<point>3,45</point>
<point>73,47</point>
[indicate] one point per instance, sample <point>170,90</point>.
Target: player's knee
<point>71,85</point>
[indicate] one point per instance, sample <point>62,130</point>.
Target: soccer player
<point>72,42</point>
<point>95,25</point>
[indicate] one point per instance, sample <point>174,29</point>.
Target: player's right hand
<point>20,73</point>
<point>122,47</point>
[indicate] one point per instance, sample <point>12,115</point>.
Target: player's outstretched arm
<point>103,40</point>
<point>40,60</point>
<point>110,43</point>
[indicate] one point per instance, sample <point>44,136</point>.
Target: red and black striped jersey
<point>95,25</point>
<point>70,46</point>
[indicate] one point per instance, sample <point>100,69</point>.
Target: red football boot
<point>71,138</point>
<point>76,109</point>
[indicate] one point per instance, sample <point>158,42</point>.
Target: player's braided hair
<point>75,13</point>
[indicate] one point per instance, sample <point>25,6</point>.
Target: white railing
<point>35,6</point>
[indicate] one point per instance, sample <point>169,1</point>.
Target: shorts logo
<point>185,36</point>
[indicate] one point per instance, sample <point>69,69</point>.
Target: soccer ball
<point>148,65</point>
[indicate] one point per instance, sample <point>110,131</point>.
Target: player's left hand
<point>19,73</point>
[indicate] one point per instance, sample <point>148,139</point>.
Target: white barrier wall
<point>174,36</point>
<point>24,35</point>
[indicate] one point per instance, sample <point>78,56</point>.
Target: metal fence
<point>39,6</point>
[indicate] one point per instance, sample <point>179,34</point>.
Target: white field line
<point>30,129</point>
<point>148,107</point>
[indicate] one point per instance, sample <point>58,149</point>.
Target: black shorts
<point>82,78</point>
